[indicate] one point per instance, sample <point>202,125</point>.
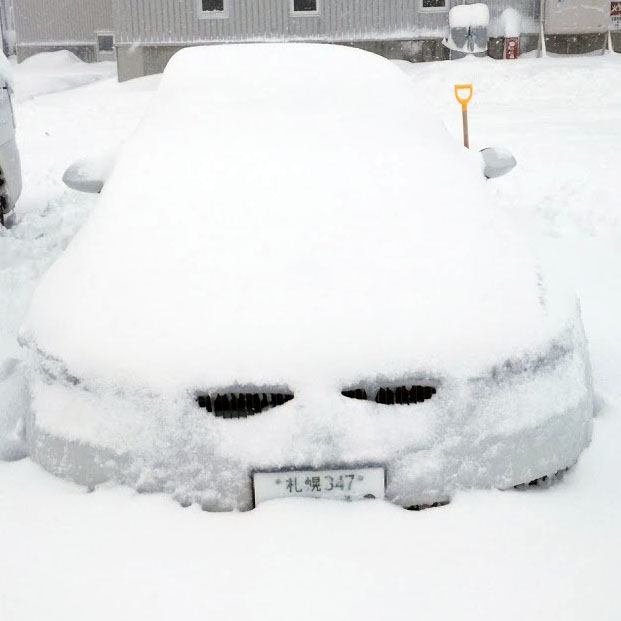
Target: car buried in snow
<point>10,165</point>
<point>295,283</point>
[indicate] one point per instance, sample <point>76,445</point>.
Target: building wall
<point>177,21</point>
<point>171,22</point>
<point>576,16</point>
<point>148,32</point>
<point>61,22</point>
<point>166,22</point>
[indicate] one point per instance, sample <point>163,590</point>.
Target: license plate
<point>353,484</point>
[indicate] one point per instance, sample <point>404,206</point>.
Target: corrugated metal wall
<point>173,21</point>
<point>61,21</point>
<point>177,21</point>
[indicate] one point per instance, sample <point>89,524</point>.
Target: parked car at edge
<point>10,167</point>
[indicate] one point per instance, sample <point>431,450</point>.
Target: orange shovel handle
<point>463,100</point>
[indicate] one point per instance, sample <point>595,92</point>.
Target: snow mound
<point>511,23</point>
<point>52,72</point>
<point>291,214</point>
<point>47,61</point>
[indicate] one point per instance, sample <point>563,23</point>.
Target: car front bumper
<point>511,425</point>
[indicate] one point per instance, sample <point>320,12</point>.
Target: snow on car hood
<point>290,214</point>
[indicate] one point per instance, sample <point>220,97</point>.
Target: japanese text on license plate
<point>354,484</point>
<point>321,483</point>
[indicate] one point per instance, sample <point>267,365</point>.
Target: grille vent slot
<point>391,395</point>
<point>242,404</point>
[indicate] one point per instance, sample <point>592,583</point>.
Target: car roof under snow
<point>290,214</point>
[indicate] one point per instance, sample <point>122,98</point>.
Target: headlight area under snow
<point>492,430</point>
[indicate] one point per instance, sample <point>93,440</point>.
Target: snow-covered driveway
<point>543,554</point>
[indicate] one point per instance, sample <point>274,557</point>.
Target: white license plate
<point>352,484</point>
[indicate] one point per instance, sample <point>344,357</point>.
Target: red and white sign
<point>512,47</point>
<point>615,15</point>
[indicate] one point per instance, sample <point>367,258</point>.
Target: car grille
<point>242,405</point>
<point>391,395</point>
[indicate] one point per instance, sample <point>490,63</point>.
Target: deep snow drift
<point>53,72</point>
<point>551,554</point>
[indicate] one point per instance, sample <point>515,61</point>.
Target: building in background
<point>150,31</point>
<point>144,34</point>
<point>84,27</point>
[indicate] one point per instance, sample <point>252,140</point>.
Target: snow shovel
<point>463,94</point>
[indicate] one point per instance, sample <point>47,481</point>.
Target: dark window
<point>434,4</point>
<point>213,6</point>
<point>105,43</point>
<point>300,6</point>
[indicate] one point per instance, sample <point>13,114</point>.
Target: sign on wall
<point>512,47</point>
<point>615,15</point>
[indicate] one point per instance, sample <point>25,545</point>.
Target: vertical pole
<point>464,114</point>
<point>542,35</point>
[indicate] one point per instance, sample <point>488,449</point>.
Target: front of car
<point>336,310</point>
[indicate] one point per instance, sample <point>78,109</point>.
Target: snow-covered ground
<point>540,554</point>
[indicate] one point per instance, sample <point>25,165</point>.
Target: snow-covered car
<point>10,166</point>
<point>295,283</point>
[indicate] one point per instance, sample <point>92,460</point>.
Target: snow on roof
<point>293,214</point>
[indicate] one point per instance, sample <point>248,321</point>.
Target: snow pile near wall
<point>51,72</point>
<point>50,61</point>
<point>511,23</point>
<point>324,228</point>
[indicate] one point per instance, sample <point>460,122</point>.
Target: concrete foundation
<point>137,61</point>
<point>576,44</point>
<point>421,50</point>
<point>140,60</point>
<point>496,45</point>
<point>556,44</point>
